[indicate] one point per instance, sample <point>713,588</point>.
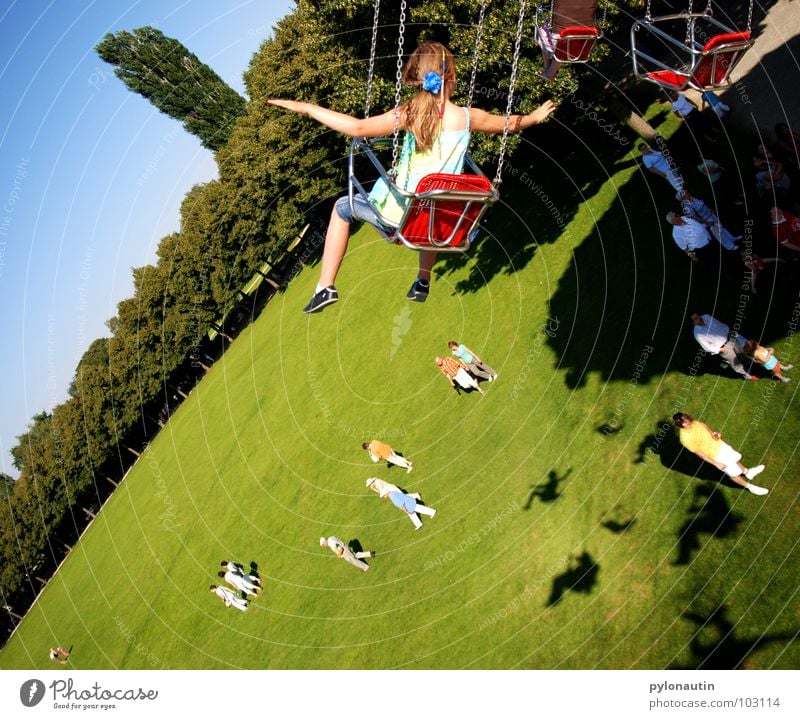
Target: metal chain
<point>511,85</point>
<point>750,16</point>
<point>371,72</point>
<point>477,52</point>
<point>398,86</point>
<point>647,16</point>
<point>688,25</point>
<point>709,11</point>
<point>605,12</point>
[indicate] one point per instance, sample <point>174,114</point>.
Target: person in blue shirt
<point>475,364</point>
<point>411,506</point>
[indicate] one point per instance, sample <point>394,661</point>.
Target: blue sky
<point>91,176</point>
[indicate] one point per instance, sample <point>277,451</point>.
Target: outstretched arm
<point>346,124</point>
<point>483,121</point>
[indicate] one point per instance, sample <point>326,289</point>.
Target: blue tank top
<point>446,154</point>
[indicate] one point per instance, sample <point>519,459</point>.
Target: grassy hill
<point>570,532</point>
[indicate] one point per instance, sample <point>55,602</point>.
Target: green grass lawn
<point>562,540</point>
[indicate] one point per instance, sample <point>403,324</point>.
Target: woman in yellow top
<point>707,444</point>
<point>437,138</point>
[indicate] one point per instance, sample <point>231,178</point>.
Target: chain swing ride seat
<point>703,61</point>
<point>569,28</point>
<point>443,212</point>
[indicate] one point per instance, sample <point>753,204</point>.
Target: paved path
<point>766,81</point>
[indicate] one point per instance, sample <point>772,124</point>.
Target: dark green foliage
<point>162,70</point>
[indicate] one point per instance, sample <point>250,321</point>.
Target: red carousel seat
<point>719,55</point>
<point>444,222</point>
<point>575,44</point>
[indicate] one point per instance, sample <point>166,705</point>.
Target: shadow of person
<point>354,545</point>
<point>618,527</point>
<point>547,491</point>
<point>722,649</point>
<point>580,577</point>
<point>674,456</point>
<point>709,514</point>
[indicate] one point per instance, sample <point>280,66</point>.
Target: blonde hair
<point>421,114</point>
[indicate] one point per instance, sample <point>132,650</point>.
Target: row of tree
<point>275,170</point>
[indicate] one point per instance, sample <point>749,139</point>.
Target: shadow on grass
<point>619,521</point>
<point>714,645</point>
<point>544,186</point>
<point>709,514</point>
<point>547,491</point>
<point>580,577</point>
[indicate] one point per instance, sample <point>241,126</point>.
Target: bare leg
<point>336,240</point>
<point>426,260</point>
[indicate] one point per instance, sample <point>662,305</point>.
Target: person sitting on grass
<point>229,599</point>
<point>437,136</point>
<point>765,356</point>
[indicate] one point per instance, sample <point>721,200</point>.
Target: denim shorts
<point>362,210</point>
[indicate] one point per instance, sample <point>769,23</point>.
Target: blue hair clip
<point>432,82</point>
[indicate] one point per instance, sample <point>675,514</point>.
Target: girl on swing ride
<point>437,136</point>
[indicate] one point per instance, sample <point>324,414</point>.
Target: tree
<point>161,69</point>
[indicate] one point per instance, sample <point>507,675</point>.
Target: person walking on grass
<point>707,444</point>
<point>338,547</point>
<point>380,451</point>
<point>474,364</point>
<point>436,140</point>
<point>717,338</point>
<point>765,356</point>
<point>456,371</point>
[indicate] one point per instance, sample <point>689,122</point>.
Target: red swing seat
<point>719,56</point>
<point>575,43</point>
<point>444,212</point>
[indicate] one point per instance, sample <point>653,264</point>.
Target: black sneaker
<point>321,300</point>
<point>418,292</point>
